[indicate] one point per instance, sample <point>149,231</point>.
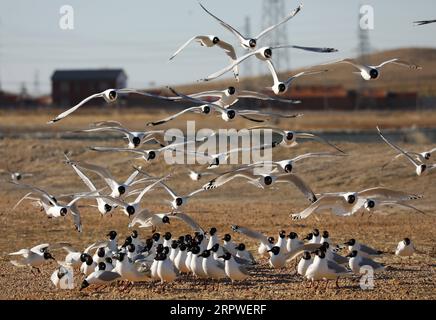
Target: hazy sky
<point>140,35</point>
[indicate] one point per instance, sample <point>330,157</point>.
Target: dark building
<point>71,86</point>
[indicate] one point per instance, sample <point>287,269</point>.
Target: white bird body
<point>405,248</point>
<point>303,265</point>
<point>166,270</point>
<point>213,269</point>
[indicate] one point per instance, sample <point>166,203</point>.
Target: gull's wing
<point>268,114</point>
<point>98,244</point>
<point>228,49</point>
<point>77,106</point>
<point>148,188</point>
<point>312,49</point>
<point>188,220</point>
<point>316,155</point>
<point>143,93</point>
<point>380,192</point>
<point>299,183</point>
<point>422,22</point>
<point>398,149</point>
<point>273,71</point>
<point>141,217</point>
<point>369,250</point>
<point>305,135</point>
<point>162,121</point>
<point>183,46</point>
<point>109,123</point>
<point>336,268</point>
<point>101,171</point>
<point>116,129</point>
<point>229,67</point>
<point>304,73</point>
<point>328,200</point>
<point>40,248</point>
<point>359,66</point>
<point>171,192</point>
<point>228,176</point>
<point>252,234</point>
<point>364,261</point>
<point>132,177</point>
<point>288,17</point>
<point>211,93</point>
<point>305,247</point>
<point>400,63</point>
<point>401,204</point>
<point>195,192</point>
<point>42,195</point>
<point>225,25</point>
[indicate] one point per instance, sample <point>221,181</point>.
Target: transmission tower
<point>36,83</point>
<point>272,12</point>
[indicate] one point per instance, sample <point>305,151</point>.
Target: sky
<point>140,35</point>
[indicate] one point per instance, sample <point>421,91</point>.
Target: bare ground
<point>239,203</point>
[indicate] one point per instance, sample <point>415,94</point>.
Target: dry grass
<point>239,203</point>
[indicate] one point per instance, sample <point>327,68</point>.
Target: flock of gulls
<point>205,254</point>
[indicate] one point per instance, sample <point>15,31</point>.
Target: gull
<point>180,259</point>
<point>147,219</point>
<point>102,206</point>
<point>373,72</point>
<point>166,270</point>
<point>362,249</point>
<point>264,54</point>
<point>212,268</point>
<point>179,201</point>
<point>262,180</point>
<point>109,95</point>
<point>73,257</point>
<point>210,41</point>
<point>281,87</point>
<point>313,237</point>
<point>147,155</point>
<point>420,168</point>
<point>62,277</point>
<point>305,262</point>
<point>331,255</point>
<point>422,22</point>
<point>228,244</point>
<point>117,189</point>
<point>130,208</point>
<point>197,263</point>
<point>130,270</point>
<point>322,268</point>
<point>134,138</point>
<point>265,242</point>
<point>347,203</point>
<point>16,175</point>
<point>167,239</point>
<point>174,250</point>
<point>100,277</point>
<point>357,261</point>
<point>405,248</point>
<point>250,43</point>
<point>288,165</point>
<point>241,252</point>
<point>325,237</point>
<point>289,137</point>
<point>423,157</point>
<point>51,206</point>
<point>33,257</point>
<point>88,264</point>
<point>293,242</point>
<point>281,241</point>
<point>234,271</point>
<point>231,95</point>
<point>213,238</point>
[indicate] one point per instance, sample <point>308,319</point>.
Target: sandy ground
<point>239,203</point>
